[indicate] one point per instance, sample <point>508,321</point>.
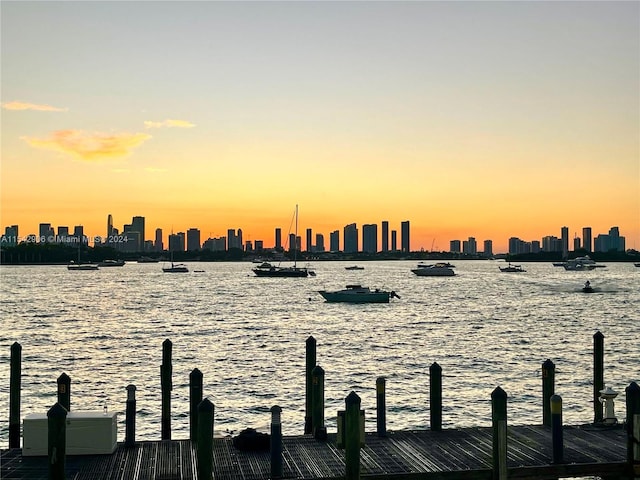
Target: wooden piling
<point>166,370</point>
<point>499,426</point>
<point>632,393</point>
<point>15,386</point>
<point>64,391</point>
<point>130,419</point>
<point>276,442</point>
<point>435,396</point>
<point>557,441</point>
<point>352,437</point>
<point>317,403</point>
<point>310,348</point>
<point>56,441</point>
<point>548,389</point>
<point>195,397</point>
<point>204,442</point>
<point>381,406</point>
<point>598,375</point>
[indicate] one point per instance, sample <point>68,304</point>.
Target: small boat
<point>266,269</point>
<point>81,266</point>
<point>436,270</point>
<point>358,294</point>
<point>354,267</point>
<point>111,263</point>
<point>144,259</point>
<point>176,268</point>
<point>587,287</point>
<point>512,268</point>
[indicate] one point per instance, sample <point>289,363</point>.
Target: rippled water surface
<point>247,336</point>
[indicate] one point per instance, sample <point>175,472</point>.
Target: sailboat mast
<point>295,241</point>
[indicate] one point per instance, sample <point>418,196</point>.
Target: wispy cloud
<point>169,124</point>
<point>32,106</point>
<point>90,145</point>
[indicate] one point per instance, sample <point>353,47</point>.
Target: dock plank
<point>401,455</point>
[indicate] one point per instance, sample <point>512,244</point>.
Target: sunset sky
<point>469,119</point>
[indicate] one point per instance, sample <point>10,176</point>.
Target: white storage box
<point>88,433</point>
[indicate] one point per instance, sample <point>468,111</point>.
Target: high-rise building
<point>63,234</point>
<point>137,225</point>
<point>259,244</point>
<point>309,240</point>
<point>278,242</point>
<point>334,241</point>
<point>45,233</point>
<point>293,242</point>
<point>233,240</point>
<point>564,235</point>
<point>394,241</point>
<point>385,236</point>
<point>239,238</point>
<point>10,237</point>
<point>612,241</point>
<point>78,233</point>
<point>586,239</point>
<point>176,242</point>
<point>350,235</point>
<point>370,238</point>
<point>551,243</point>
<point>109,227</point>
<point>454,246</point>
<point>470,247</point>
<point>488,248</point>
<point>404,236</point>
<point>576,243</point>
<point>319,242</point>
<point>159,245</point>
<point>193,239</point>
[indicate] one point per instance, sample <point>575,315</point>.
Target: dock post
<point>598,375</point>
<point>166,386</point>
<point>548,389</point>
<point>204,442</point>
<point>195,397</point>
<point>435,396</point>
<point>276,442</point>
<point>130,420</point>
<point>632,393</point>
<point>56,440</point>
<point>64,391</point>
<point>15,385</point>
<point>310,363</point>
<point>557,440</point>
<point>499,425</point>
<point>352,437</point>
<point>381,406</point>
<point>317,403</point>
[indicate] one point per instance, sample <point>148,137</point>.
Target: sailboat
<point>81,266</point>
<point>267,270</point>
<point>175,267</point>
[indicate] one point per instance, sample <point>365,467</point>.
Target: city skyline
<point>350,238</point>
<point>472,119</point>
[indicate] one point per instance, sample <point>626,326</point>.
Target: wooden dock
<point>404,455</point>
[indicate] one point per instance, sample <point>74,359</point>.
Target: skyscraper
<point>370,238</point>
<point>565,241</point>
<point>586,239</point>
<point>488,248</point>
<point>137,225</point>
<point>394,241</point>
<point>404,237</point>
<point>350,238</point>
<point>278,243</point>
<point>159,246</point>
<point>385,236</point>
<point>193,239</point>
<point>109,227</point>
<point>334,241</point>
<point>309,240</point>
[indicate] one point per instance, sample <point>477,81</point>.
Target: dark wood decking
<point>415,455</point>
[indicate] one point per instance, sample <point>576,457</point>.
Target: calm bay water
<point>247,335</point>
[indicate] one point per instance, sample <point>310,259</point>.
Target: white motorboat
<point>358,294</point>
<point>435,270</point>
